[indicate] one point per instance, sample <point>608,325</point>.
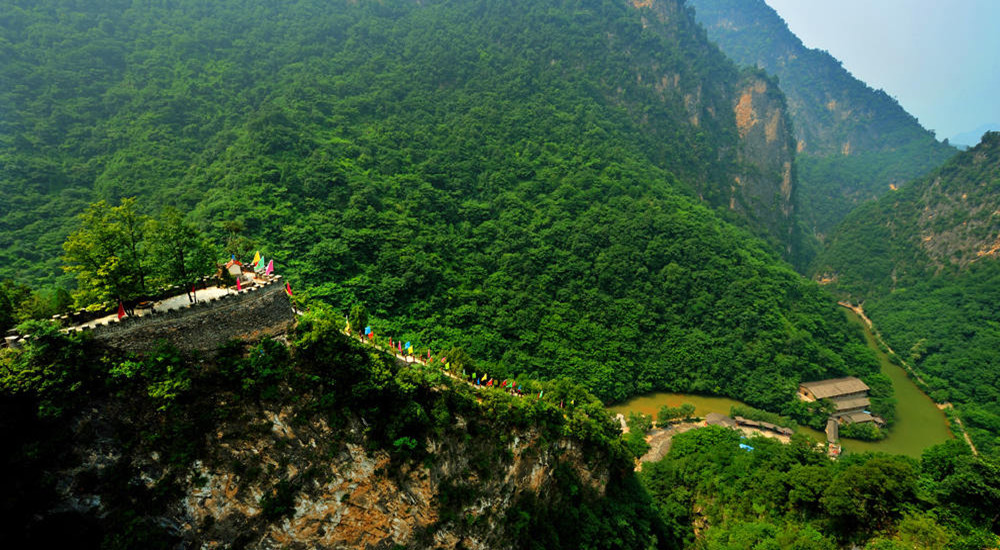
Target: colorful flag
<point>409,348</point>
<point>121,310</point>
<point>288,289</point>
<point>256,258</point>
<point>348,321</point>
<point>270,267</point>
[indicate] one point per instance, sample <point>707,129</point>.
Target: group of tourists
<point>405,352</point>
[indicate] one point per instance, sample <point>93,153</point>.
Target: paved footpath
<point>174,302</point>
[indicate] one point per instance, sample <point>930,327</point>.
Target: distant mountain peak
<point>972,137</point>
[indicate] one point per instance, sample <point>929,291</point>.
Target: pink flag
<point>269,268</point>
<point>239,286</point>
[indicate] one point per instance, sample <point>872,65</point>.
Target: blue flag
<point>368,330</point>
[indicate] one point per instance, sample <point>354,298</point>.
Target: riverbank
<point>920,422</point>
<point>660,438</point>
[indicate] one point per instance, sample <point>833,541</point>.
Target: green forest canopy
<point>512,181</point>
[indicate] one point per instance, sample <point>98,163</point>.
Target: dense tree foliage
<point>120,255</point>
<point>769,495</point>
<point>545,187</point>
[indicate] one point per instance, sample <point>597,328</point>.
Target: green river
<point>919,423</point>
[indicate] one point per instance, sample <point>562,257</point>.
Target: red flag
<point>121,309</point>
<point>371,335</point>
<point>288,289</point>
<point>239,286</point>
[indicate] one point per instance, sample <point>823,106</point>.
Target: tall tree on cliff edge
<point>107,253</point>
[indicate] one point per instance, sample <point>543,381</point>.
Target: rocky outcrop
<point>753,174</point>
<point>763,187</point>
<point>275,478</point>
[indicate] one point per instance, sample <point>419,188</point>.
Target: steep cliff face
<point>272,478</point>
<point>752,174</point>
<point>834,113</point>
<point>764,186</point>
<point>854,143</point>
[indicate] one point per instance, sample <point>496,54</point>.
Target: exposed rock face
<point>756,176</point>
<point>764,186</point>
<point>834,112</point>
<point>274,479</point>
<point>854,143</point>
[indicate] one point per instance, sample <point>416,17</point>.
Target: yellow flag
<point>256,258</point>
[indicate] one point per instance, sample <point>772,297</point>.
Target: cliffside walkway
<point>167,304</point>
<point>410,359</point>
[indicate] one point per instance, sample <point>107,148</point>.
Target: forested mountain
<point>562,188</point>
<point>924,260</point>
<point>854,142</point>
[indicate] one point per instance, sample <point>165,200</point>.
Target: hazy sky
<point>939,58</point>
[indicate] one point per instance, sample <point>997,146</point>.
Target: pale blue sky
<point>939,59</point>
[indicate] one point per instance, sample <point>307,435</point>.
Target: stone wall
<point>204,325</point>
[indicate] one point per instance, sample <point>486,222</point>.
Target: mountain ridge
<point>854,143</point>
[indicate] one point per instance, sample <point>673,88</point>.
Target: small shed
<point>234,267</point>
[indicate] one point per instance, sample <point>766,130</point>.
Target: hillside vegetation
<point>924,260</point>
<point>551,187</point>
<point>853,141</point>
<point>321,443</point>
